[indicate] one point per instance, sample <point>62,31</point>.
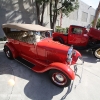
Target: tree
<point>61,6</point>
<point>98,24</point>
<point>40,8</point>
<point>96,16</point>
<point>56,7</point>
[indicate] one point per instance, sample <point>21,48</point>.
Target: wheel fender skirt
<point>14,53</point>
<point>64,68</point>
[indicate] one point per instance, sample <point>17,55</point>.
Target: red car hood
<point>50,44</point>
<point>55,50</point>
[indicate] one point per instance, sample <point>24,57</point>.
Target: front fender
<point>14,53</point>
<point>64,68</point>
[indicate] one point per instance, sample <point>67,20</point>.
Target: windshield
<point>41,35</point>
<point>45,34</point>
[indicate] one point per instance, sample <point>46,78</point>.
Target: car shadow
<point>88,56</point>
<point>40,88</point>
<point>68,91</point>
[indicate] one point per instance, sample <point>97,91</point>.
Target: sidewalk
<point>2,42</point>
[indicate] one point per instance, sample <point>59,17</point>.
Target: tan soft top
<point>25,27</point>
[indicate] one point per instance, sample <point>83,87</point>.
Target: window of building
<point>84,16</point>
<point>91,18</point>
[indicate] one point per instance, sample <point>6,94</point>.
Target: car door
<point>77,37</point>
<point>28,48</point>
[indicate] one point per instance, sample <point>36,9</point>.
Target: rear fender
<point>64,68</point>
<point>14,53</point>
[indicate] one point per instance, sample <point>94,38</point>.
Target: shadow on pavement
<point>89,57</point>
<point>68,91</point>
<point>41,88</point>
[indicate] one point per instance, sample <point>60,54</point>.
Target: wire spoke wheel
<point>97,53</point>
<point>8,52</point>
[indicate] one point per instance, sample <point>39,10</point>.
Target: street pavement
<point>17,82</point>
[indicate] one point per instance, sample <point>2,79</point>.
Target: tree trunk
<point>50,14</point>
<point>38,9</point>
<point>41,23</point>
<point>53,17</point>
<point>96,16</point>
<point>38,12</point>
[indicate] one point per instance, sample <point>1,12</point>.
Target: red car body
<point>73,39</point>
<point>80,38</point>
<point>45,55</point>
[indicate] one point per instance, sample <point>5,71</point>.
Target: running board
<point>25,62</point>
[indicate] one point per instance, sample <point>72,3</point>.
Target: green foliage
<point>67,29</point>
<point>56,7</point>
<point>67,6</point>
<point>58,27</point>
<point>61,30</point>
<point>98,23</point>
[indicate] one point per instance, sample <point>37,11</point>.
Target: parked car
<point>81,39</point>
<point>33,46</point>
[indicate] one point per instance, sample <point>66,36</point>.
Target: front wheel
<point>8,52</point>
<point>96,53</point>
<point>59,78</point>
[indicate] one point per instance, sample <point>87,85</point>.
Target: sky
<point>93,3</point>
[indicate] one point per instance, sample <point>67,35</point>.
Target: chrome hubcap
<point>8,53</point>
<point>97,53</point>
<point>59,78</point>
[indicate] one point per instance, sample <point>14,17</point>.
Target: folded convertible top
<point>25,27</point>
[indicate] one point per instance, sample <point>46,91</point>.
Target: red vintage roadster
<point>33,46</point>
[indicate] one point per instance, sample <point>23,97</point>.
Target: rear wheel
<point>8,52</point>
<point>96,53</point>
<point>59,78</point>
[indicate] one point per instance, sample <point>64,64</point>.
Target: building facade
<point>83,16</point>
<point>24,11</point>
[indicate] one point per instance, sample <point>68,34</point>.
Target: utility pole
<point>96,16</point>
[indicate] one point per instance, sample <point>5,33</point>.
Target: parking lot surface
<point>17,82</point>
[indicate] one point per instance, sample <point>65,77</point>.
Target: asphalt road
<point>17,82</point>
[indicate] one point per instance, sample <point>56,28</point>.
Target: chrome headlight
<point>79,61</point>
<point>70,53</point>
